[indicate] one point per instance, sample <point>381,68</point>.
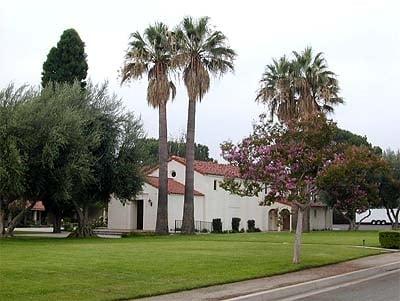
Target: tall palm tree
<point>153,55</point>
<point>298,87</point>
<point>202,52</point>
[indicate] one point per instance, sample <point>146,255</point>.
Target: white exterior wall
<point>149,208</point>
<point>214,204</point>
<point>175,209</point>
<point>320,218</point>
<point>124,217</point>
<point>329,218</point>
<point>224,205</point>
<point>120,216</point>
<point>180,172</point>
<point>221,204</point>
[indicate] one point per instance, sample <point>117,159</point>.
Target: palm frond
<point>152,54</point>
<point>201,52</point>
<point>299,87</point>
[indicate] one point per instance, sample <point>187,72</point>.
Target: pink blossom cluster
<point>276,161</point>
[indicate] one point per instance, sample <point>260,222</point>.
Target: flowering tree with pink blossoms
<point>350,182</point>
<point>284,161</point>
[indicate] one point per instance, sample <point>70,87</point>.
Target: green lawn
<point>111,269</point>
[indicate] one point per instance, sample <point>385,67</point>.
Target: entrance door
<point>139,218</point>
<point>273,220</point>
<point>285,214</point>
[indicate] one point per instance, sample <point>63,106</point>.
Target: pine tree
<point>66,62</point>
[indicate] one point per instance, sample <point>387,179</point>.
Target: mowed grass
<point>354,238</point>
<point>115,269</point>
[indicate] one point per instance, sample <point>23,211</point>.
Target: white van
<point>377,217</point>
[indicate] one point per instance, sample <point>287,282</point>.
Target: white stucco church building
<point>210,202</point>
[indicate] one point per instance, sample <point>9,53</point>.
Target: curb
<point>288,291</point>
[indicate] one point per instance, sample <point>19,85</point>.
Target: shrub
<point>99,222</point>
<point>242,230</point>
<point>251,225</point>
<point>235,224</point>
<point>135,234</point>
<point>257,230</point>
<point>389,239</point>
<point>69,227</point>
<point>217,225</point>
<point>204,230</point>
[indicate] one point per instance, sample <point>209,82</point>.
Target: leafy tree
<point>149,149</point>
<point>12,162</point>
<point>69,147</point>
<point>389,189</point>
<point>350,183</point>
<point>202,51</point>
<point>46,143</point>
<point>56,149</point>
<point>300,86</point>
<point>346,137</point>
<point>153,55</point>
<point>66,62</point>
<point>111,137</point>
<point>285,161</point>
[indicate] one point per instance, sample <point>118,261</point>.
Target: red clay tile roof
<point>318,204</point>
<point>174,187</point>
<point>38,206</point>
<point>211,168</point>
<point>285,203</point>
<point>313,205</point>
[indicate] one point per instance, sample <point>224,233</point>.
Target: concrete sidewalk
<point>226,291</point>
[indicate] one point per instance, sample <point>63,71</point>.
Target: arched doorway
<point>273,220</point>
<point>285,219</point>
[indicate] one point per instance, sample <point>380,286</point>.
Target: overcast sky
<point>360,40</point>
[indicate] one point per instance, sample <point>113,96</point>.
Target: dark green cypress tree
<point>66,62</point>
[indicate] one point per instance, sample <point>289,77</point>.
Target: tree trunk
<point>2,218</point>
<point>357,225</point>
<point>84,228</point>
<point>162,208</point>
<point>57,221</point>
<point>395,222</point>
<point>17,219</point>
<point>388,213</point>
<point>188,207</point>
<point>297,241</point>
<point>352,224</point>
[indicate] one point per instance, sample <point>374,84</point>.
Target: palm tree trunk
<point>162,208</point>
<point>188,207</point>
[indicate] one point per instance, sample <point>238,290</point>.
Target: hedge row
<point>389,239</point>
